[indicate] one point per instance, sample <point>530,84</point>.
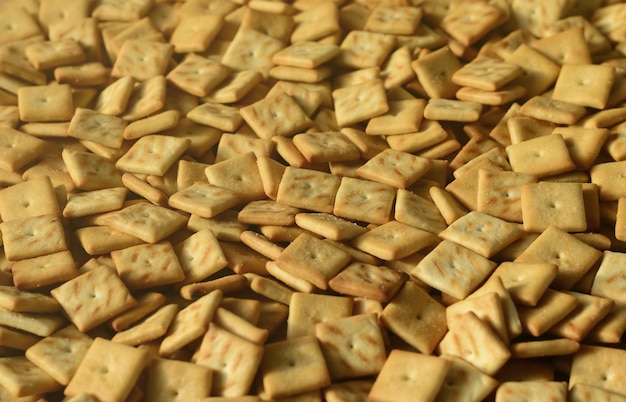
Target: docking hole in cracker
<point>312,200</point>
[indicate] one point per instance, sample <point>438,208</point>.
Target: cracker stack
<point>334,200</point>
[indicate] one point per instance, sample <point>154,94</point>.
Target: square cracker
<point>308,189</point>
<point>108,371</point>
<point>293,367</point>
<point>499,193</point>
<point>352,346</point>
<point>190,323</point>
<point>326,147</point>
<point>599,366</point>
<point>366,280</point>
<point>312,259</point>
<point>33,237</point>
<point>151,328</point>
<point>487,73</point>
<point>239,174</point>
<point>28,199</point>
<point>572,256</point>
<point>364,200</point>
<point>396,168</point>
<point>404,116</point>
<point>409,376</point>
<point>328,225</point>
<point>223,117</point>
<point>464,382</point>
<point>153,154</point>
<point>142,59</point>
<point>586,85</point>
<point>608,278</point>
<point>23,301</point>
<point>90,125</point>
<point>542,156</point>
<point>470,20</point>
<point>435,70</point>
<point>60,353</point>
<point>185,380</point>
<point>146,98</point>
<point>151,223</point>
<point>360,102</point>
<point>204,200</point>
<point>251,50</point>
<point>305,54</point>
<point>362,49</point>
<point>45,270</point>
<point>94,297</point>
<point>526,282</point>
<point>45,103</point>
<point>418,211</point>
<point>268,117</point>
<point>114,98</point>
<point>515,391</point>
<point>393,240</point>
<point>541,72</point>
<point>417,318</point>
<point>316,23</point>
<point>148,265</point>
<point>589,312</point>
<point>23,378</point>
<point>552,308</point>
<point>559,204</point>
<point>93,202</point>
<point>475,231</point>
<point>232,359</point>
<point>194,33</point>
<point>197,75</point>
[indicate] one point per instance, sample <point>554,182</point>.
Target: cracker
<point>143,157</point>
<point>360,102</point>
<point>318,266</point>
<point>236,144</point>
<point>293,367</point>
<point>373,205</point>
<point>560,204</point>
<point>251,50</point>
<point>147,265</point>
<point>146,98</point>
<point>275,24</point>
<point>404,116</point>
<point>267,212</point>
<point>417,318</point>
<point>197,75</point>
<point>187,381</point>
<point>452,110</point>
<point>417,211</point>
<point>487,306</point>
<point>204,200</point>
<point>45,103</point>
<point>552,307</point>
<point>594,81</point>
<point>328,225</point>
<point>33,323</point>
<point>149,222</point>
<point>234,87</point>
<point>606,282</point>
<point>308,189</point>
<point>267,117</point>
<point>404,376</point>
<point>526,282</point>
<point>28,199</point>
<point>541,72</point>
<point>239,326</point>
<point>194,33</point>
<point>239,174</point>
<point>153,327</point>
<point>190,323</point>
<point>21,377</point>
<point>202,138</point>
<point>532,156</point>
<point>463,338</point>
<point>486,73</point>
<point>18,24</point>
<point>45,270</point>
<point>395,168</point>
<point>565,47</point>
<point>270,288</point>
<point>348,391</point>
<point>114,98</point>
<point>393,20</point>
<point>150,125</point>
<point>583,392</point>
<point>22,301</point>
<point>222,117</point>
<point>598,366</point>
<point>430,133</point>
<point>343,339</point>
<point>90,125</point>
<point>305,54</point>
<point>147,303</point>
<point>365,280</point>
<point>368,145</point>
<point>97,240</point>
<point>393,240</point>
<point>33,237</point>
<point>435,70</point>
<point>108,371</point>
<point>326,147</point>
<point>519,391</point>
<point>543,348</point>
<point>590,311</point>
<point>465,382</point>
<point>469,21</point>
<point>225,226</point>
<point>499,193</point>
<point>142,59</point>
<point>449,207</point>
<point>50,54</point>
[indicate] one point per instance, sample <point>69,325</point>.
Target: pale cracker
<point>98,240</point>
<point>594,81</point>
<point>142,188</point>
<point>607,281</point>
<point>146,98</point>
<point>239,174</point>
<point>565,47</point>
<point>356,77</point>
<point>362,49</point>
<point>236,144</point>
<point>82,75</point>
<point>142,59</point>
<point>410,312</point>
<point>32,237</point>
<point>394,20</point>
<point>486,73</point>
<point>585,393</point>
<point>503,96</point>
<point>598,366</point>
<point>90,171</point>
<point>543,348</point>
<point>305,75</point>
<point>404,116</point>
<point>185,380</point>
<point>147,265</point>
<point>368,145</point>
<point>541,72</point>
<point>487,306</point>
<point>360,102</point>
<point>456,276</point>
<point>90,125</point>
<point>239,326</point>
<point>227,284</point>
<point>532,156</point>
<point>328,225</point>
<point>251,50</point>
<point>435,70</point>
<point>373,205</point>
<point>24,301</point>
<point>22,378</point>
<point>526,282</point>
<point>283,360</point>
<point>20,149</point>
<point>150,125</point>
<point>204,200</point>
<point>463,338</point>
<point>60,353</point>
<point>326,147</point>
<point>42,325</point>
<point>28,199</point>
<point>523,128</point>
<point>147,303</point>
<point>153,327</point>
<point>551,309</point>
<point>197,75</point>
<point>404,376</point>
<point>370,281</point>
<point>396,168</point>
<point>559,204</point>
<point>305,54</point>
<point>235,87</point>
<point>271,173</point>
<point>317,267</point>
<point>352,346</point>
<point>190,323</point>
<point>270,288</point>
<point>268,117</point>
<point>316,22</point>
<point>499,193</point>
<point>202,137</point>
<point>308,189</point>
<point>148,156</point>
<point>589,311</point>
<point>449,207</point>
<point>45,103</point>
<point>452,110</point>
<point>469,21</point>
<point>149,222</point>
<point>465,382</point>
<point>222,117</point>
<point>611,328</point>
<point>117,366</point>
<point>429,133</point>
<point>49,54</point>
<point>45,270</point>
<point>473,231</point>
<point>418,211</point>
<point>267,212</point>
<point>277,25</point>
<point>225,226</point>
<point>114,98</point>
<point>76,297</point>
<point>519,391</point>
<point>194,33</point>
<point>393,240</point>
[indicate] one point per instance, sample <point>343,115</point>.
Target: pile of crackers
<point>312,200</point>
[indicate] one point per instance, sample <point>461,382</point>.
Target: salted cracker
<point>372,206</point>
<point>366,280</point>
<point>109,370</point>
<point>142,59</point>
<point>50,54</point>
<point>532,156</point>
<point>560,204</point>
<point>499,193</point>
<point>526,282</point>
<point>28,199</point>
<point>153,154</point>
<point>24,301</point>
<point>598,366</point>
<point>45,103</point>
<point>360,102</point>
<point>251,50</point>
<point>541,72</point>
<point>194,33</point>
<point>197,75</point>
<point>222,117</point>
<point>204,200</point>
<point>277,115</point>
<point>147,265</point>
<point>316,22</point>
<point>23,378</point>
<point>518,391</point>
<point>44,270</point>
<point>146,98</point>
<point>308,189</point>
<point>453,269</point>
<point>393,240</point>
<point>149,222</point>
<point>90,125</point>
<point>33,237</point>
<point>152,327</point>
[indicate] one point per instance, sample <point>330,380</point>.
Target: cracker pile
<point>307,200</point>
